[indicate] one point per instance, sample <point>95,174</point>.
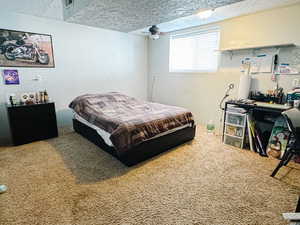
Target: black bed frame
<point>144,150</point>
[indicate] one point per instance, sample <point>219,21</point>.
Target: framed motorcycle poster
<point>25,49</point>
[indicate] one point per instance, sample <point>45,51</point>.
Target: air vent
<point>69,3</point>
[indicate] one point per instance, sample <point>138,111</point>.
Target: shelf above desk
<point>258,47</point>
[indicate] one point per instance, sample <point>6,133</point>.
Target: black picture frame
<point>33,50</point>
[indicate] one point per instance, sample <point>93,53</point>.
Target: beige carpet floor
<point>70,181</point>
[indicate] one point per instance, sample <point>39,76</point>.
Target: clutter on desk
<point>272,96</point>
<point>244,101</point>
<point>29,98</point>
<point>293,98</point>
<point>293,95</point>
<point>297,104</point>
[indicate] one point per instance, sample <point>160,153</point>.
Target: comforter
<point>128,120</point>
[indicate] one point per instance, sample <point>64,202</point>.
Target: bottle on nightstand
<point>46,97</point>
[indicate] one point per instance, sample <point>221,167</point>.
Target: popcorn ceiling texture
<point>131,15</point>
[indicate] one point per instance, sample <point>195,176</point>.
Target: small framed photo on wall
<point>11,77</point>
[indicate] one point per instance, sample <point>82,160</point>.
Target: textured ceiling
<point>221,13</point>
<point>135,15</point>
<point>130,15</point>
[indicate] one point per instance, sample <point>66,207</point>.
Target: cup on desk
<point>297,104</point>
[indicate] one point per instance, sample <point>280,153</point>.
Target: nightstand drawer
<point>32,123</point>
<point>32,111</point>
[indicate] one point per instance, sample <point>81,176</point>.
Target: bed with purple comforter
<point>129,121</point>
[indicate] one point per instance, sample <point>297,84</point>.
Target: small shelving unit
<point>235,129</point>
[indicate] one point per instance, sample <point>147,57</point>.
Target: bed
<point>130,129</point>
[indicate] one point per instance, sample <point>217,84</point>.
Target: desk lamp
<point>230,87</point>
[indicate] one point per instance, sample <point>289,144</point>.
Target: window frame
<point>190,34</point>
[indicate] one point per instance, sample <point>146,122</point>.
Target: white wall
<point>201,93</point>
<point>264,28</point>
<point>88,60</point>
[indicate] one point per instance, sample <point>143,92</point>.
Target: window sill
<point>193,71</point>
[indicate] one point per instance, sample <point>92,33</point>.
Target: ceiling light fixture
<point>206,14</point>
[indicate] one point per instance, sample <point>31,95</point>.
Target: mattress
<point>106,136</point>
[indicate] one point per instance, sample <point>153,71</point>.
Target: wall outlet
<point>296,83</point>
<point>37,78</point>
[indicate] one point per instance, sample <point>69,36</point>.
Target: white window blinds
<point>195,52</point>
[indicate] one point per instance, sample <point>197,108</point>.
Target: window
<point>195,52</point>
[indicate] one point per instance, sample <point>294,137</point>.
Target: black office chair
<point>292,118</point>
<point>298,207</point>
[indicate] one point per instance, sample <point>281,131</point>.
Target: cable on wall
<point>152,88</point>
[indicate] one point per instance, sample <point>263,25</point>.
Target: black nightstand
<point>30,123</point>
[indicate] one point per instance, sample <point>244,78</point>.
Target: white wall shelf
<point>258,47</point>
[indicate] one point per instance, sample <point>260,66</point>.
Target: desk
<point>259,109</point>
<point>259,106</point>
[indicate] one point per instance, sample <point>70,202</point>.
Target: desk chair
<point>298,207</point>
<point>292,118</point>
